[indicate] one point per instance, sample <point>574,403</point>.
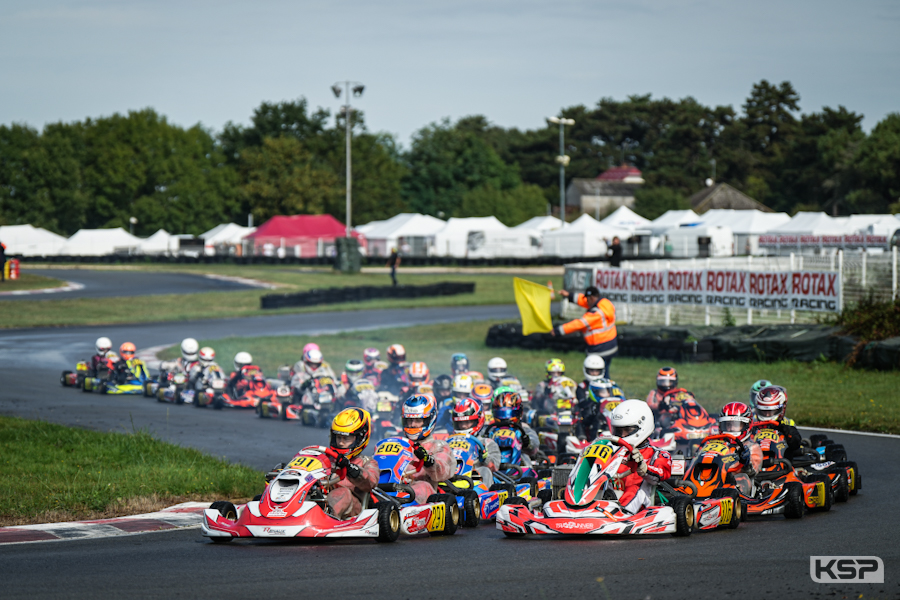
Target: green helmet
<point>502,389</point>
<point>755,388</point>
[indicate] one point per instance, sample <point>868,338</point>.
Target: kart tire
<point>257,497</point>
<point>177,397</point>
<point>84,385</point>
<point>62,378</point>
<point>471,509</point>
<point>218,403</point>
<point>545,496</point>
<point>829,492</point>
<point>452,516</point>
<point>282,414</point>
<point>504,487</point>
<point>684,517</point>
<point>794,506</point>
<point>738,506</point>
<point>532,482</point>
<point>835,452</point>
<point>816,439</point>
<point>147,392</point>
<point>842,493</point>
<point>388,522</point>
<point>227,510</point>
<point>857,478</point>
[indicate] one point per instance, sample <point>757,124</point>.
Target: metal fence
<point>862,274</point>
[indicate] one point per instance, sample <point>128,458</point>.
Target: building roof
<point>27,240</point>
<point>226,233</point>
<point>622,173</point>
<point>300,226</point>
<point>579,187</point>
<point>722,195</point>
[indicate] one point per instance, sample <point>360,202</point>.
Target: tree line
<point>290,160</point>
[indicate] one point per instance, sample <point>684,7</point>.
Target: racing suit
<point>791,437</point>
<point>530,441</point>
<point>345,499</point>
<point>199,377</point>
<point>303,378</point>
<point>638,489</point>
<point>423,480</point>
<point>395,380</point>
<point>653,400</point>
<point>99,363</point>
<point>372,373</point>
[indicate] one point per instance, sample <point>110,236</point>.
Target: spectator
<point>394,262</point>
<point>615,252</point>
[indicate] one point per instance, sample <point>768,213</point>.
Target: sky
<point>516,62</point>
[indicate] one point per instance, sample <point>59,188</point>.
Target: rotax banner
<point>798,290</point>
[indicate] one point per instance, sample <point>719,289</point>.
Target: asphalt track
<point>116,283</point>
<point>766,558</point>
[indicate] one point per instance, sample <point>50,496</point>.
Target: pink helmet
<point>310,346</point>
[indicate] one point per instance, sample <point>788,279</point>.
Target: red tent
<point>299,235</point>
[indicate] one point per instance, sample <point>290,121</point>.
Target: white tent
<point>416,231</point>
<point>626,218</point>
<point>746,225</point>
<point>671,218</point>
<point>224,237</point>
<point>26,240</point>
<point>872,224</point>
<point>583,237</point>
<point>545,223</point>
<point>453,238</point>
<point>365,229</point>
<point>161,242</point>
<point>99,242</point>
<point>812,223</point>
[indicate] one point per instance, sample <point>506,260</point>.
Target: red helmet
<point>371,356</point>
<point>127,350</point>
<point>734,420</point>
<point>771,402</point>
<point>418,372</point>
<point>468,416</point>
<point>396,353</point>
<point>666,379</point>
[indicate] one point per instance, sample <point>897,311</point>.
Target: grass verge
<point>51,473</point>
<point>821,394</point>
<point>489,289</point>
<point>29,281</point>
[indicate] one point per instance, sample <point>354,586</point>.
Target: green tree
<point>651,202</point>
<point>879,168</point>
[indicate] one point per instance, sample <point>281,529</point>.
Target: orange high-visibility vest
<point>598,323</point>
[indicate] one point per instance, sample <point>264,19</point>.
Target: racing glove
<point>638,458</point>
<point>423,455</point>
<point>353,471</point>
<point>341,462</point>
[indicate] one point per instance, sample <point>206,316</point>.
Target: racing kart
<point>440,515</point>
<point>314,402</point>
<point>294,505</point>
<point>685,425</point>
<point>212,392</point>
<point>821,454</point>
<point>127,378</point>
<point>590,502</point>
<point>385,417</point>
<point>76,378</point>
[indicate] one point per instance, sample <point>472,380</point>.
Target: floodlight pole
<point>563,160</point>
<point>348,115</point>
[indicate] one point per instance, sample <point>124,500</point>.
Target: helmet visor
<point>625,431</point>
<point>497,372</point>
<point>413,422</point>
<point>767,414</point>
<point>593,372</point>
<point>731,426</point>
<point>460,395</point>
<point>506,413</point>
<point>342,441</point>
<point>127,354</point>
<point>665,384</point>
<point>465,425</point>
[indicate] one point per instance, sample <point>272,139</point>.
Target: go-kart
<point>171,388</point>
<point>253,390</point>
<point>294,505</point>
<point>821,454</point>
<point>211,392</point>
<point>76,378</point>
<point>440,515</point>
<point>314,403</point>
<point>684,425</point>
<point>385,417</point>
<point>274,403</point>
<point>125,378</point>
<point>517,466</point>
<point>590,502</point>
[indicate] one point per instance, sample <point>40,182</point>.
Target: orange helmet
<point>666,379</point>
<point>418,372</point>
<point>396,353</point>
<point>127,350</point>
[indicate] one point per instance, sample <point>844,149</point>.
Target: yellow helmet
<point>349,422</point>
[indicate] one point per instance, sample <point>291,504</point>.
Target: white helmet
<point>104,345</point>
<point>312,360</point>
<point>632,420</point>
<point>207,356</point>
<point>496,369</point>
<point>594,368</point>
<point>242,359</point>
<point>189,349</point>
<point>463,384</point>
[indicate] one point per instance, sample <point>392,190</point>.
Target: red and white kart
<point>590,503</point>
<point>294,505</point>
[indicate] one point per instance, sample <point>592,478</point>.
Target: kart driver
<point>632,421</point>
<point>506,409</point>
<point>594,369</point>
<point>122,368</point>
<point>543,394</point>
<point>358,474</point>
<point>353,372</point>
<point>468,420</point>
<point>100,361</point>
<point>666,380</point>
<point>459,365</point>
<point>497,371</point>
<point>395,379</point>
<point>371,357</point>
<point>734,421</point>
<point>755,389</point>
<point>435,460</point>
<point>239,380</point>
<point>771,404</point>
<point>205,368</point>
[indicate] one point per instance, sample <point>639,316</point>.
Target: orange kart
<point>687,421</point>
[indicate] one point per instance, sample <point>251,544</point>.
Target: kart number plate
<point>326,381</point>
<point>384,406</point>
<point>437,517</point>
<point>565,419</point>
<point>716,448</point>
<point>363,386</point>
<point>305,463</point>
<point>726,510</point>
<point>388,449</point>
<point>218,384</point>
<point>696,435</point>
<point>599,452</point>
<point>461,444</point>
<point>767,434</point>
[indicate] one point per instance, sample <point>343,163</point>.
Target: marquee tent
<point>298,235</point>
<point>545,223</point>
<point>453,238</point>
<point>583,237</point>
<point>225,238</point>
<point>671,218</point>
<point>406,229</point>
<point>746,225</point>
<point>100,242</point>
<point>161,242</point>
<point>812,223</point>
<point>27,240</point>
<point>626,218</point>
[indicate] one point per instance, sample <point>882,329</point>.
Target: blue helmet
<point>600,390</point>
<point>419,407</point>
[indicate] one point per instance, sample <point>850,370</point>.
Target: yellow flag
<point>534,306</point>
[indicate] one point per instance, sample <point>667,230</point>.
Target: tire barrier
<point>337,295</point>
<point>745,343</point>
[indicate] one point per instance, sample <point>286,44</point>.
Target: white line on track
<point>70,286</point>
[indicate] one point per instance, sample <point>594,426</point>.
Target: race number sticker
<point>767,434</point>
<point>462,444</point>
<point>437,517</point>
<point>726,508</point>
<point>305,463</point>
<point>389,449</point>
<point>716,448</point>
<point>600,452</point>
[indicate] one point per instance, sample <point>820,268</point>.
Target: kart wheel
<point>835,452</point>
<point>684,516</point>
<point>794,506</point>
<point>257,497</point>
<point>388,522</point>
<point>62,378</point>
<point>471,509</point>
<point>218,403</point>
<point>159,395</point>
<point>283,414</point>
<point>504,487</point>
<point>227,510</point>
<point>816,439</point>
<point>176,397</point>
<point>829,492</point>
<point>545,496</point>
<point>856,482</point>
<point>147,389</point>
<point>842,493</point>
<point>451,516</point>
